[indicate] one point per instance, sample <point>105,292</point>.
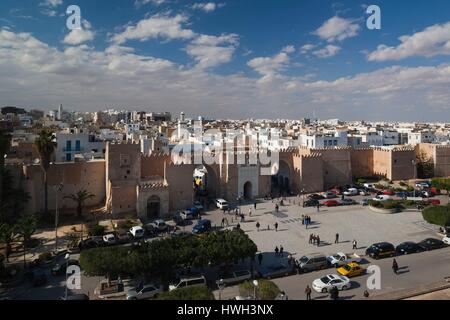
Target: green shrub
<point>439,215</point>
<point>97,230</point>
<point>45,256</point>
<point>361,181</point>
<point>267,290</point>
<point>189,293</point>
<point>402,184</point>
<point>379,186</point>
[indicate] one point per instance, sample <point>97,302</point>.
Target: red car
<point>389,192</point>
<point>434,202</point>
<point>331,203</point>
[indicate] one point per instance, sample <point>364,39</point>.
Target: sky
<point>232,59</point>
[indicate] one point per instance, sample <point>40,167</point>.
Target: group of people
<point>258,226</point>
<point>306,220</point>
<point>279,251</point>
<point>314,239</point>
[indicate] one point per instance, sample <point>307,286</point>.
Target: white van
<point>221,204</point>
<point>137,232</point>
<point>189,282</point>
<point>351,192</point>
<point>382,197</point>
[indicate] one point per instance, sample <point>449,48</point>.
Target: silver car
<point>143,292</point>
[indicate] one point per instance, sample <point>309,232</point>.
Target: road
<point>415,270</point>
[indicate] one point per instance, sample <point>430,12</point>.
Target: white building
<point>73,142</point>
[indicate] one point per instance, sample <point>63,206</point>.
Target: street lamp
<point>221,286</point>
<point>67,256</point>
<point>414,182</point>
<point>58,189</point>
<point>255,285</point>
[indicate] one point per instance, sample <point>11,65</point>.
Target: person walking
<point>395,266</point>
<point>311,236</point>
<point>355,244</point>
<point>281,251</point>
<point>277,208</point>
<point>257,226</point>
<point>222,224</point>
<point>366,294</point>
<point>318,241</point>
<point>250,212</point>
<point>306,222</point>
<point>254,205</point>
<point>276,251</point>
<point>303,219</point>
<point>276,226</point>
<point>308,293</point>
<point>238,226</point>
<point>336,240</point>
<point>318,207</point>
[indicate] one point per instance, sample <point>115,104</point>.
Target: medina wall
<point>337,166</point>
<point>75,176</point>
<point>362,163</point>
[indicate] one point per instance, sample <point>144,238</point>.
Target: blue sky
<point>237,59</point>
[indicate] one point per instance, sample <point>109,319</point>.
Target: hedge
<point>267,290</point>
<point>189,293</point>
<point>439,215</point>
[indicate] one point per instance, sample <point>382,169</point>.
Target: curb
<point>410,293</point>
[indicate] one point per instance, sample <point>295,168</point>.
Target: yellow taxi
<point>352,269</point>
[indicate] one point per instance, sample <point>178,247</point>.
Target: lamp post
<point>221,286</point>
<point>414,182</point>
<point>255,287</point>
<point>67,256</point>
<point>58,189</point>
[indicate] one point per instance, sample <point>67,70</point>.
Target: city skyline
<point>230,59</point>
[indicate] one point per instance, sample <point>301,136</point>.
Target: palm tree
<point>80,197</point>
<point>5,144</point>
<point>26,227</point>
<point>7,236</point>
<point>46,145</point>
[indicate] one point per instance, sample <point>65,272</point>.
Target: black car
<point>89,244</point>
<point>310,203</point>
<point>37,277</point>
<point>431,244</point>
<point>408,248</point>
<point>381,250</point>
<point>60,269</point>
<point>315,196</point>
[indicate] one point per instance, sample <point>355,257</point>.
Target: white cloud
<point>35,74</point>
<point>327,52</point>
<point>157,26</point>
<point>79,36</point>
<point>207,7</point>
<point>140,3</point>
<point>269,67</point>
<point>432,41</point>
<point>338,29</point>
<point>307,47</point>
<point>211,51</point>
<point>52,3</point>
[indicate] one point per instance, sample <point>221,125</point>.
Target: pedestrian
<point>276,226</point>
<point>242,218</point>
<point>260,257</point>
<point>306,222</point>
<point>254,205</point>
<point>276,251</point>
<point>281,251</point>
<point>268,227</point>
<point>318,241</point>
<point>355,244</point>
<point>222,224</point>
<point>308,293</point>
<point>311,236</point>
<point>395,266</point>
<point>336,240</point>
<point>257,226</point>
<point>277,208</point>
<point>303,219</point>
<point>334,293</point>
<point>250,212</point>
<point>318,207</point>
<point>366,294</point>
<point>238,226</point>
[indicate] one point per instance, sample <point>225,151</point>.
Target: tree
<point>7,236</point>
<point>425,166</point>
<point>5,145</point>
<point>26,227</point>
<point>46,145</point>
<point>14,199</point>
<point>438,215</point>
<point>188,293</point>
<point>80,198</point>
<point>267,290</point>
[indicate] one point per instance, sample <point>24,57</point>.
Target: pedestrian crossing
<point>292,220</point>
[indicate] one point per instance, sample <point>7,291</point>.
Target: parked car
<point>221,204</point>
<point>331,203</point>
<point>160,225</point>
<point>143,292</point>
<point>382,197</point>
<point>352,269</point>
<point>364,202</point>
<point>310,203</point>
<point>363,192</point>
<point>199,206</point>
<point>389,192</point>
<point>59,269</point>
<point>234,277</point>
<point>340,259</point>
<point>408,247</point>
<point>137,232</point>
<point>278,269</point>
<point>179,220</point>
<point>191,281</point>
<point>329,195</point>
<point>434,202</point>
<point>381,250</point>
<point>431,244</point>
<point>109,239</point>
<point>423,184</point>
<point>312,262</point>
<point>446,239</point>
<point>369,185</point>
<point>327,282</point>
<point>189,214</point>
<point>89,243</point>
<point>401,194</point>
<point>351,192</point>
<point>202,226</point>
<point>37,277</point>
<point>427,194</point>
<point>347,202</point>
<point>315,196</point>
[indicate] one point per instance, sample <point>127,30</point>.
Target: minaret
<point>60,112</point>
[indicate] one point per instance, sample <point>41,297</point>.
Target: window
<point>68,157</point>
<point>77,145</point>
<point>68,145</point>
